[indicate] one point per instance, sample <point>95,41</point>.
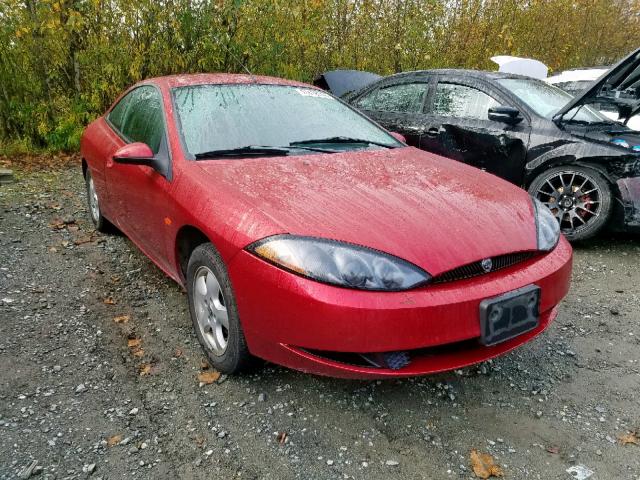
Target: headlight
<point>547,226</point>
<point>338,263</point>
<point>621,142</point>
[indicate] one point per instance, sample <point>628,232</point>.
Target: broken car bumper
<point>630,195</point>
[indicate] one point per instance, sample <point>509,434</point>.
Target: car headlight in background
<point>339,263</point>
<point>547,226</point>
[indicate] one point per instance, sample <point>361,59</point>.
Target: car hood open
<point>341,82</point>
<point>619,86</point>
<point>432,211</point>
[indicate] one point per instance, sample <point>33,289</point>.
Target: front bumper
<point>630,195</point>
<point>286,318</point>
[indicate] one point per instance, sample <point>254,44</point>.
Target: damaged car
<point>582,165</point>
<point>307,235</point>
<point>578,80</point>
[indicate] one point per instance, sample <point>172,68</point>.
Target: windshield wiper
<point>336,140</point>
<point>258,151</point>
<point>248,151</point>
<point>588,123</point>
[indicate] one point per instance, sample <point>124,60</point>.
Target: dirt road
<point>82,395</point>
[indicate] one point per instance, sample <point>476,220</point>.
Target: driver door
<point>459,128</point>
<point>142,193</point>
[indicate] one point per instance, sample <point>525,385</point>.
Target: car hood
<point>619,86</point>
<point>521,66</point>
<point>341,82</point>
<point>434,212</point>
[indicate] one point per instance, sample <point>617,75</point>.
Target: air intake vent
<point>483,266</point>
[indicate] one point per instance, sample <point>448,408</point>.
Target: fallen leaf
<point>115,440</point>
<point>204,365</point>
<point>138,352</point>
<point>177,353</point>
<point>553,450</point>
<point>109,301</point>
<point>484,466</point>
<point>56,224</point>
<point>115,279</point>
<point>629,437</point>
<point>134,342</point>
<point>200,440</point>
<point>122,319</point>
<point>209,377</point>
<point>144,369</point>
<point>282,437</point>
<point>83,240</point>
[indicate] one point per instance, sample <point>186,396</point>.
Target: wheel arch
<point>187,239</point>
<point>568,160</point>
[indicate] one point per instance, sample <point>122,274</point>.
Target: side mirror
<point>136,153</point>
<point>508,115</point>
<point>398,136</point>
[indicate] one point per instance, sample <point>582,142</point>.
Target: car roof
<point>462,72</point>
<point>182,80</point>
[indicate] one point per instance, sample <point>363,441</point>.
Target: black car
<point>582,165</point>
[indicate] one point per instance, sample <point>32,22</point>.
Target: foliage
<point>62,62</point>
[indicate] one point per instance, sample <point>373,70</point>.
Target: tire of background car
<point>214,313</point>
<point>100,222</point>
<point>579,197</point>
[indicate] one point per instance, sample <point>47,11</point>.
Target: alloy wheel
<point>573,197</point>
<point>211,311</point>
<point>94,205</point>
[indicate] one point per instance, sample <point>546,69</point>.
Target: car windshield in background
<point>266,120</point>
<point>574,88</point>
<point>547,100</point>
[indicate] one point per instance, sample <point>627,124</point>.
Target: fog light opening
<point>390,360</point>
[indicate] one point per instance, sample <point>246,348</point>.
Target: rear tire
<point>214,313</point>
<point>579,197</point>
<point>99,221</point>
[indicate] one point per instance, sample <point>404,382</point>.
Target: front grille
<point>475,269</point>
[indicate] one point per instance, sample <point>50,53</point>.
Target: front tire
<point>214,313</point>
<point>579,197</point>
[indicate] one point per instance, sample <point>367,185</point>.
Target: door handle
<point>433,132</point>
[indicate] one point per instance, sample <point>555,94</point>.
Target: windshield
<point>231,117</point>
<point>547,100</point>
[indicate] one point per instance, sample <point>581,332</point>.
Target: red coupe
<point>307,235</point>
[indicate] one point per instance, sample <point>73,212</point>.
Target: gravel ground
<point>83,395</point>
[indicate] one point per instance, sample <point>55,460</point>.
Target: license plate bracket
<point>509,315</point>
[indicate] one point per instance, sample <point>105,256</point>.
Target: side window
<point>116,115</point>
<point>367,101</point>
<point>402,98</point>
<point>142,120</point>
<point>452,100</point>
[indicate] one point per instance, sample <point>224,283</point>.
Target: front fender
<point>611,163</point>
